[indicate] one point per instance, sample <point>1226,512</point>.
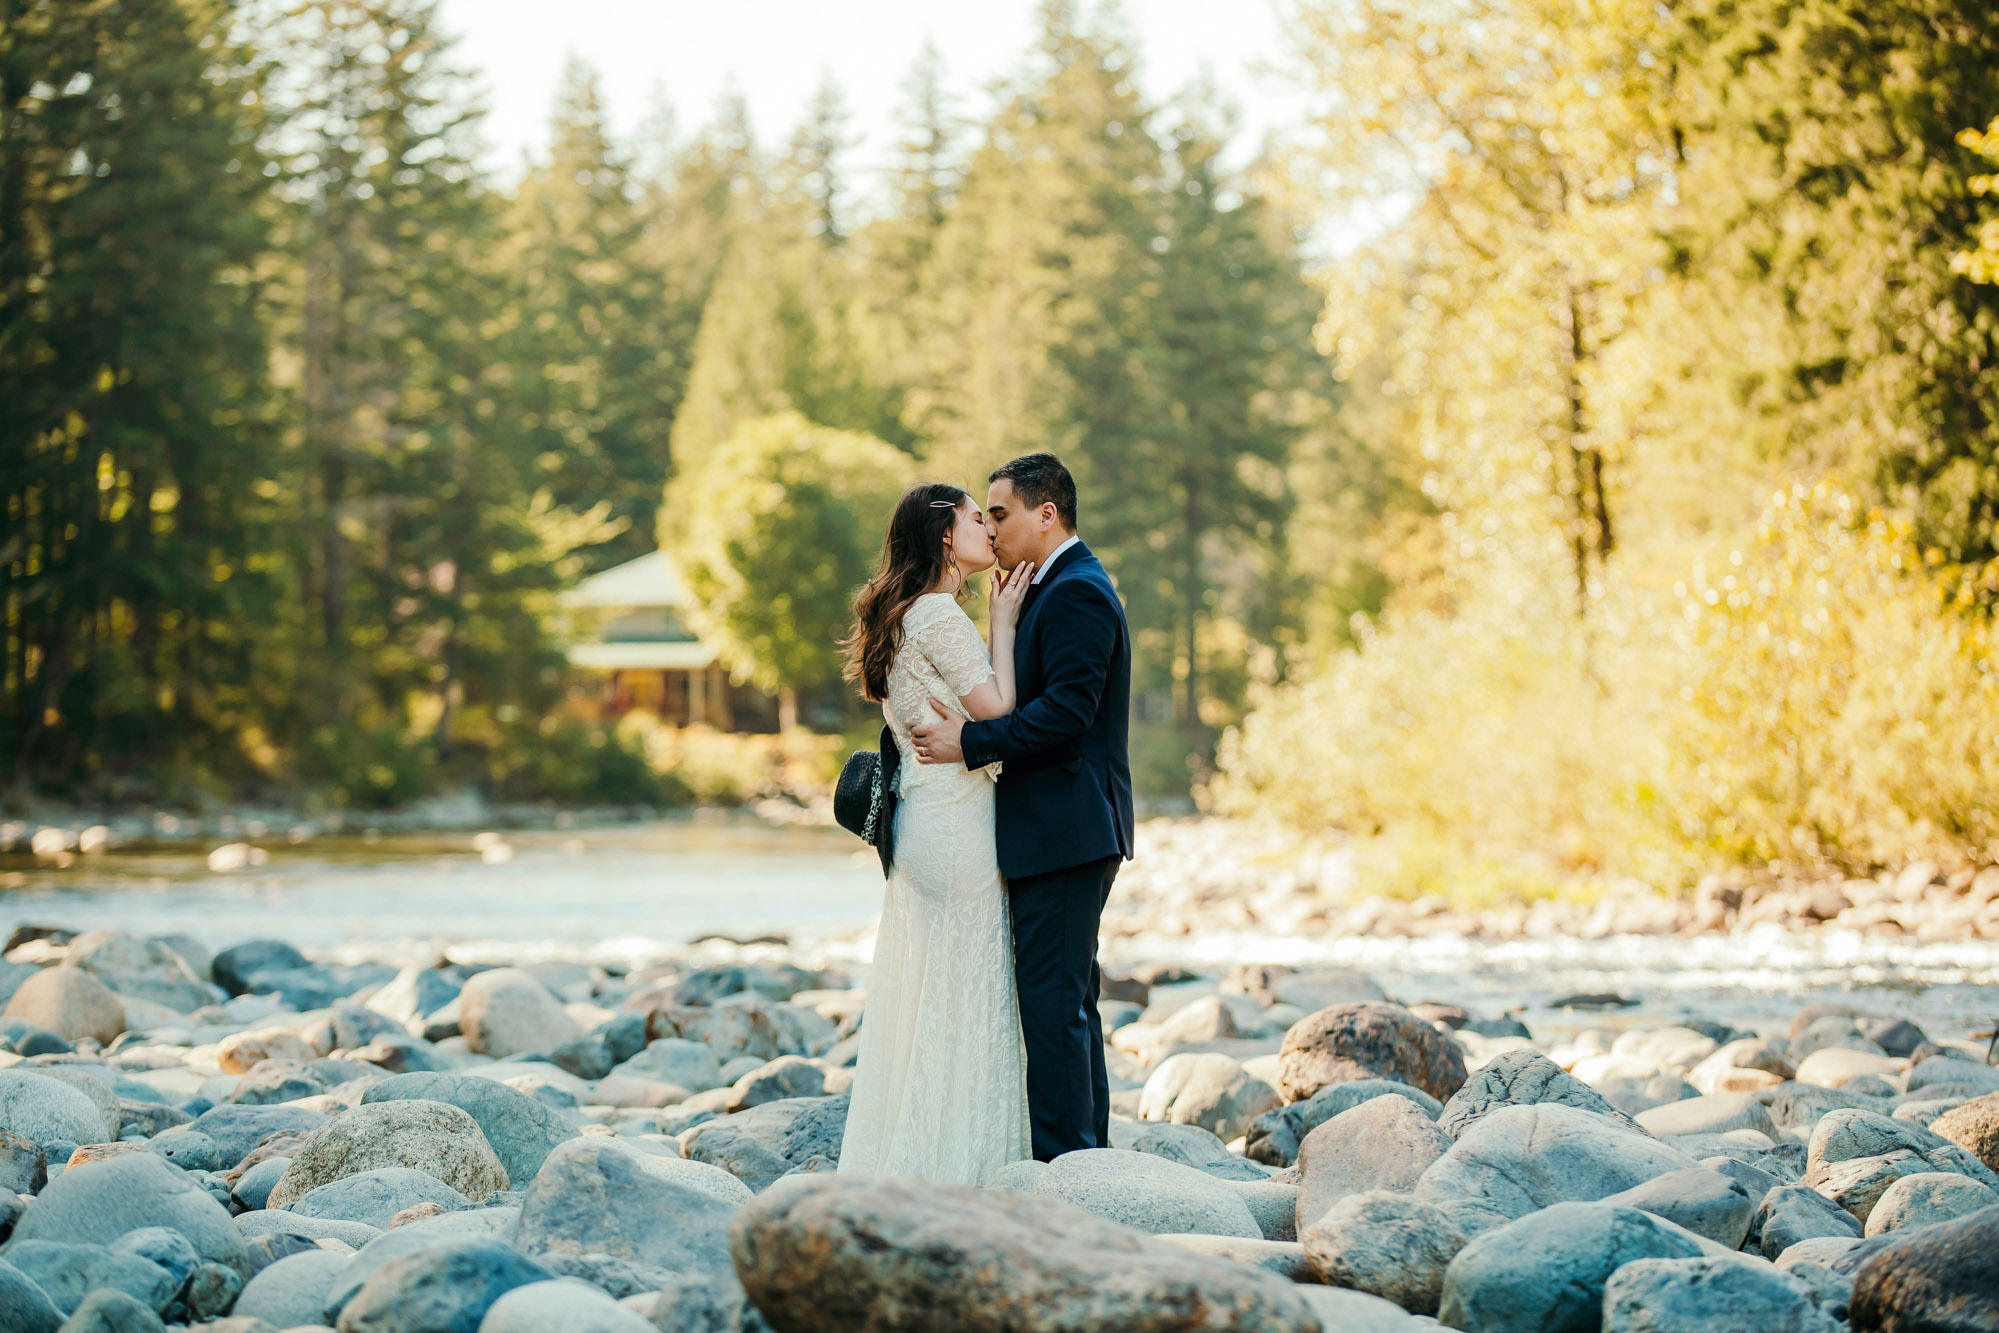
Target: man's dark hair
<point>1040,479</point>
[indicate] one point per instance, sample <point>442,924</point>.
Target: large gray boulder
<point>84,1079</point>
<point>1147,1193</point>
<point>566,1303</point>
<point>1522,1078</point>
<point>71,1003</point>
<point>1392,1245</point>
<point>507,1012</point>
<point>1517,1159</point>
<point>1793,1213</point>
<point>1845,1135</point>
<point>1208,1089</point>
<point>433,1137</point>
<point>687,1064</point>
<point>98,1203</point>
<point>375,1197</point>
<point>146,969</point>
<point>1275,1136</point>
<point>1546,1273</point>
<point>520,1130</point>
<point>46,1110</point>
<point>291,1291</point>
<point>238,1129</point>
<point>1924,1197</point>
<point>108,1310</point>
<point>605,1212</point>
<point>1385,1143</point>
<point>1713,1293</point>
<point>446,1288</point>
<point>1373,1040</point>
<point>1703,1201</point>
<point>825,1253</point>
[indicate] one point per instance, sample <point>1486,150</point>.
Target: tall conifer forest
<point>1623,501</point>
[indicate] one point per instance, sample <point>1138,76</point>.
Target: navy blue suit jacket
<point>1064,796</point>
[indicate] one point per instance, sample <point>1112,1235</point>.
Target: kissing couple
<point>981,1041</point>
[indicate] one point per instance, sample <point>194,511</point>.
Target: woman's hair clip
<point>945,504</point>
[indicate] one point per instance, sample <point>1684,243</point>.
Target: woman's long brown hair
<point>912,562</point>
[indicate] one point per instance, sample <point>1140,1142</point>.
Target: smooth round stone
<point>433,1137</point>
<point>569,1304</point>
<point>1716,1114</point>
<point>1520,1159</point>
<point>274,1221</point>
<point>1547,1272</point>
<point>291,1291</point>
<point>1972,1126</point>
<point>1925,1197</point>
<point>506,1011</point>
<point>239,1129</point>
<point>1521,1078</point>
<point>385,1246</point>
<point>1208,1089</point>
<point>1147,1193</point>
<point>253,1187</point>
<point>447,1286</point>
<point>1019,1176</point>
<point>44,1110</point>
<point>1384,1143</point>
<point>99,1203</point>
<point>688,1064</point>
<point>1714,1293</point>
<point>1835,1066</point>
<point>375,1197</point>
<point>71,1003</point>
<point>520,1130</point>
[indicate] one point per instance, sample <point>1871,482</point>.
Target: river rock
<point>375,1197</point>
<point>70,1272</point>
<point>1546,1273</point>
<point>237,1129</point>
<point>1372,1040</point>
<point>1835,1067</point>
<point>520,1130</point>
<point>110,1311</point>
<point>1760,1055</point>
<point>1390,1245</point>
<point>1845,1135</point>
<point>826,1253</point>
<point>235,967</point>
<point>1147,1193</point>
<point>71,1003</point>
<point>1858,1182</point>
<point>1816,1263</point>
<point>596,1200</point>
<point>275,1082</point>
<point>507,1012</point>
<point>1801,1105</point>
<point>748,1159</point>
<point>46,1110</point>
<point>84,1078</point>
<point>1715,1114</point>
<point>1208,1089</point>
<point>1385,1143</point>
<point>786,1077</point>
<point>432,1137</point>
<point>291,1291</point>
<point>23,1166</point>
<point>1933,1279</point>
<point>566,1303</point>
<point>1713,1293</point>
<point>817,1131</point>
<point>1938,1072</point>
<point>1275,1136</point>
<point>188,1149</point>
<point>1974,1127</point>
<point>28,1307</point>
<point>1518,1159</point>
<point>377,1249</point>
<point>253,1188</point>
<point>1705,1202</point>
<point>447,1287</point>
<point>687,1064</point>
<point>1284,1258</point>
<point>1793,1213</point>
<point>146,968</point>
<point>1924,1197</point>
<point>278,1222</point>
<point>98,1204</point>
<point>1190,1145</point>
<point>1521,1078</point>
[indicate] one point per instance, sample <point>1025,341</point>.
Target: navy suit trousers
<point>1055,921</point>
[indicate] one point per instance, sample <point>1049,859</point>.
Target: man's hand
<point>937,742</point>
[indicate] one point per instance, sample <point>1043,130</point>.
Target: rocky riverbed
<point>256,1139</point>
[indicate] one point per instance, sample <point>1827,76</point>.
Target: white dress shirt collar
<point>1049,563</point>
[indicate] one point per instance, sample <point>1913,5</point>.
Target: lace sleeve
<point>945,635</point>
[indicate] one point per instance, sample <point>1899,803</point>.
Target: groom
<point>1064,799</point>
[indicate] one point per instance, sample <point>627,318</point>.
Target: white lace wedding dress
<point>941,1085</point>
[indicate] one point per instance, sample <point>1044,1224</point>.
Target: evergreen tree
<point>136,487</point>
<point>598,371</point>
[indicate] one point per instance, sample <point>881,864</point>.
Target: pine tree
<point>137,476</point>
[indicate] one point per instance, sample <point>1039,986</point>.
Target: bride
<point>940,1087</point>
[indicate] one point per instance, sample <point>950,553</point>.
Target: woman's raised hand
<point>1009,591</point>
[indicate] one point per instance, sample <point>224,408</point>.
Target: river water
<point>632,894</point>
